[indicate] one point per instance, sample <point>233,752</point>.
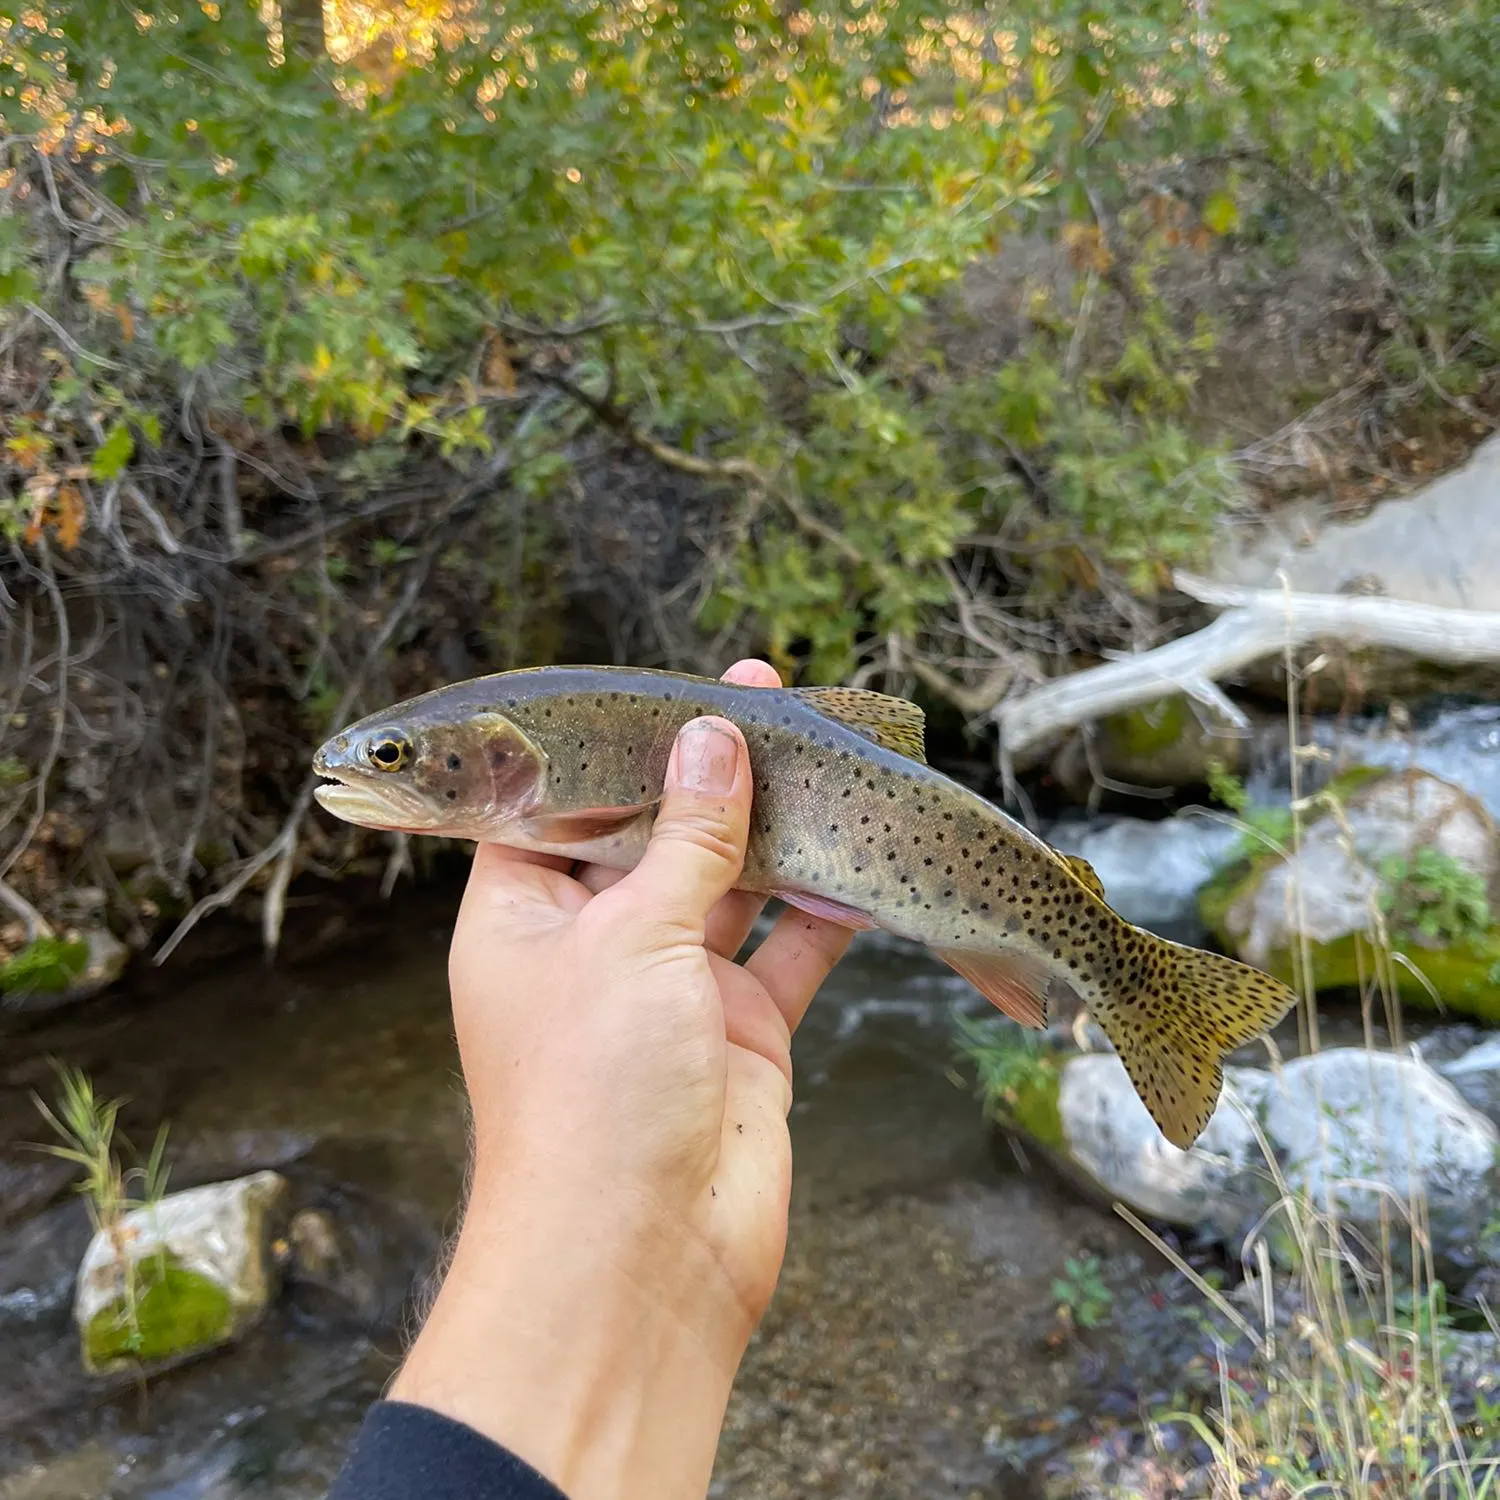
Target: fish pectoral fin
<point>580,824</point>
<point>1012,983</point>
<point>827,908</point>
<point>1083,872</point>
<point>893,723</point>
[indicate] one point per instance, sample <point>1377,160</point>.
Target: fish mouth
<point>352,798</point>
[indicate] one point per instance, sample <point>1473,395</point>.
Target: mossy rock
<point>178,1313</point>
<point>202,1268</point>
<point>1030,1106</point>
<point>1464,976</point>
<point>1461,975</point>
<point>1165,743</point>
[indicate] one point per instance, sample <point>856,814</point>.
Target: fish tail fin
<point>1174,1016</point>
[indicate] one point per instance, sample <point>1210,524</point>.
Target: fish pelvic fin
<point>1173,1018</point>
<point>893,723</point>
<point>1011,982</point>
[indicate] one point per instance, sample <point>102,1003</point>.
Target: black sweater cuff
<point>406,1452</point>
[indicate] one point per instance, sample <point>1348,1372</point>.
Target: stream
<point>913,1347</point>
<point>906,1352</point>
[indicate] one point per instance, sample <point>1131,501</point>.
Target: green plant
<point>1431,896</point>
<point>1083,1296</point>
<point>46,965</point>
<point>1261,828</point>
<point>87,1128</point>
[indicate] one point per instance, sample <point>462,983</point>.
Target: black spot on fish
<point>455,763</point>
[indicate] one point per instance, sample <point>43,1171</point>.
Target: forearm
<point>599,1351</point>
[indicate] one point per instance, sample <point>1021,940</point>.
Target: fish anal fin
<point>828,909</point>
<point>582,824</point>
<point>1084,873</point>
<point>893,723</point>
<point>1010,982</point>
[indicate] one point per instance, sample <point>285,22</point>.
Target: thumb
<point>697,847</point>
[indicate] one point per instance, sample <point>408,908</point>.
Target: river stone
<point>1338,1123</point>
<point>1327,892</point>
<point>1476,1075</point>
<point>1109,1135</point>
<point>205,1273</point>
<point>1350,1115</point>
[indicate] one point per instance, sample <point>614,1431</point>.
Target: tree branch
<point>1257,623</point>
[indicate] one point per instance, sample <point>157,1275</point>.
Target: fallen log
<point>1256,623</point>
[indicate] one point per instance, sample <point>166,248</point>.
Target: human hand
<point>629,1086</point>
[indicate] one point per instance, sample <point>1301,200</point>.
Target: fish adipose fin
<point>893,723</point>
<point>1185,1012</point>
<point>827,908</point>
<point>1016,985</point>
<point>1084,873</point>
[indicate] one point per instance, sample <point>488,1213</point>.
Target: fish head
<point>435,768</point>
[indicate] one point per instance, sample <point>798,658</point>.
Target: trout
<point>848,822</point>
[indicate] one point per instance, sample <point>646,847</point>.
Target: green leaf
<point>114,453</point>
<point>1221,213</point>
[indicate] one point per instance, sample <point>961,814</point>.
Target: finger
<point>697,846</point>
<point>505,882</point>
<point>491,861</point>
<point>753,673</point>
<point>795,959</point>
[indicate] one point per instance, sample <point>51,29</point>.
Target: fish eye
<point>388,752</point>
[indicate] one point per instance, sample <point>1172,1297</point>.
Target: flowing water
<point>907,1350</point>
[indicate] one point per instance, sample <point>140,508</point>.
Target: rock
<point>1337,1123</point>
<point>1107,1133</point>
<point>1476,1075</point>
<point>1172,742</point>
<point>204,1269</point>
<point>330,1283</point>
<point>1344,1116</point>
<point>1438,546</point>
<point>1153,870</point>
<point>1331,889</point>
<point>50,986</point>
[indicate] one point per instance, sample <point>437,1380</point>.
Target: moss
<point>1464,974</point>
<point>1151,728</point>
<point>178,1312</point>
<point>1032,1107</point>
<point>47,965</point>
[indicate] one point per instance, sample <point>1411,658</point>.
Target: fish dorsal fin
<point>1083,872</point>
<point>893,723</point>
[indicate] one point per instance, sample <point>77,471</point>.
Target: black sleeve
<point>406,1452</point>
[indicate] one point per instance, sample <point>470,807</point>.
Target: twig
<point>36,924</point>
<point>283,847</point>
<point>60,712</point>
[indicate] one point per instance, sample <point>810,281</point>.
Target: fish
<point>848,822</point>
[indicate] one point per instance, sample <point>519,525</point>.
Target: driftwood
<point>1256,623</point>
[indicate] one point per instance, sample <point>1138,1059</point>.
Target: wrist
<point>594,1343</point>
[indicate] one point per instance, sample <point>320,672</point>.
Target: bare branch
<point>1257,623</point>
